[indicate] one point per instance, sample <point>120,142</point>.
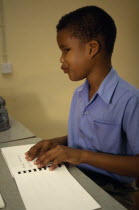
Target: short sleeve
<point>131,125</point>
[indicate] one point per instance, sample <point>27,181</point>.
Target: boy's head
<point>88,23</point>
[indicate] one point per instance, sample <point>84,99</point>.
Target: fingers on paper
<point>34,151</point>
<point>55,164</point>
<point>44,159</point>
<point>53,156</point>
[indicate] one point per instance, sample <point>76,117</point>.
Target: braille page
<point>44,189</point>
<point>15,157</point>
<point>53,190</point>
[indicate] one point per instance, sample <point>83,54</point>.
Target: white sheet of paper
<point>44,189</point>
<point>53,190</point>
<point>15,158</point>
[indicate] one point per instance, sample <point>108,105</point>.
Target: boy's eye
<point>66,50</point>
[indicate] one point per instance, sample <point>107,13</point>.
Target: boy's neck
<point>98,75</point>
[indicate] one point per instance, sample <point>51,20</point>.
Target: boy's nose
<point>61,59</point>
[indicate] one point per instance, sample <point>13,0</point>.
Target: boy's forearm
<point>61,140</point>
<point>122,165</point>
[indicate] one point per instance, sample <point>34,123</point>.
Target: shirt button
<point>86,112</point>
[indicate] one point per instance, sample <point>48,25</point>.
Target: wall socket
<point>6,68</point>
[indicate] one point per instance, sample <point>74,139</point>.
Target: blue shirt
<point>108,123</point>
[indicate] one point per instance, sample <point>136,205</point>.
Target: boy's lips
<point>64,69</point>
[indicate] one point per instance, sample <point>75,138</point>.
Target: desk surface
<point>13,199</point>
<point>15,132</point>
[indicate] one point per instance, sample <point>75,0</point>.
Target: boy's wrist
<point>60,140</point>
<point>84,156</point>
<point>87,156</point>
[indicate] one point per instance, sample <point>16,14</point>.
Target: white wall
<point>37,92</point>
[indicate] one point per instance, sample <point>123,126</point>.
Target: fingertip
<point>51,168</point>
<point>36,162</point>
<point>39,166</point>
<point>28,158</point>
<point>27,155</point>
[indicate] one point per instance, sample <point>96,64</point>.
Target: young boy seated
<point>103,139</point>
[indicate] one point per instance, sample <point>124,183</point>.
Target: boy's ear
<point>94,48</point>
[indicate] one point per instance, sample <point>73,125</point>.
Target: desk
<point>13,199</point>
<point>17,131</point>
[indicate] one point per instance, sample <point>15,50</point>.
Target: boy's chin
<point>74,79</point>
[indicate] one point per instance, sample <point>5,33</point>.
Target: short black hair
<point>88,23</point>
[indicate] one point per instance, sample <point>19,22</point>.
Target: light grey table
<point>17,131</point>
<point>12,196</point>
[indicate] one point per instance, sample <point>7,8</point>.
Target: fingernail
<point>36,161</point>
<point>51,168</point>
<point>27,156</point>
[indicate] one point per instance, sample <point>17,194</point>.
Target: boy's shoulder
<point>126,88</point>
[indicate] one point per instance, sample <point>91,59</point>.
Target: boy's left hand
<point>58,155</point>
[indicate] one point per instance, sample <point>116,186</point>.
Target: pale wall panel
<point>38,93</point>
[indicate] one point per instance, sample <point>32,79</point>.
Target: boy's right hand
<point>40,148</point>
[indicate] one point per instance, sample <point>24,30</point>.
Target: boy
<point>103,138</point>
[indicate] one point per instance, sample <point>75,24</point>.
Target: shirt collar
<point>106,88</point>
